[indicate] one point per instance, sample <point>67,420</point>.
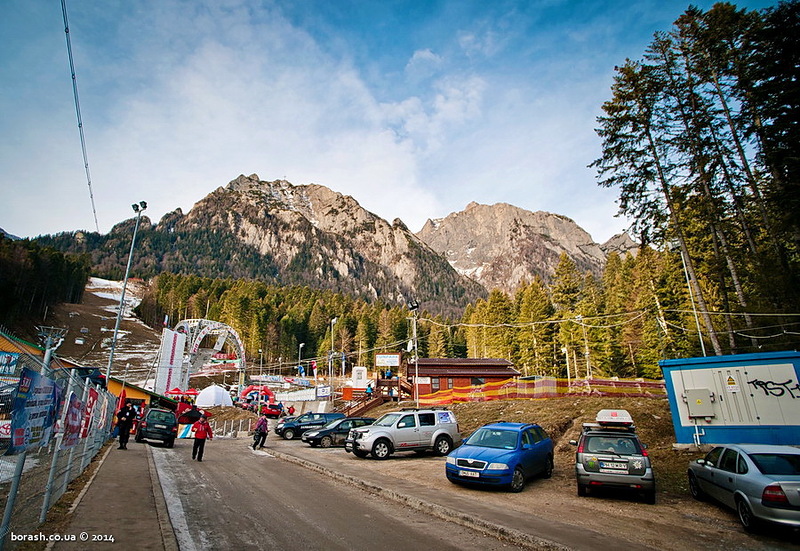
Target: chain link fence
<point>53,420</point>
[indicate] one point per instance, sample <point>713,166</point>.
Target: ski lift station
<point>742,398</point>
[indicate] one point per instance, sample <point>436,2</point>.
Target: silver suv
<point>408,429</point>
<point>611,455</point>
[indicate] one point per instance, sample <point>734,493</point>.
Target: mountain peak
<point>501,245</point>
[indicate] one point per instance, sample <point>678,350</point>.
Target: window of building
<point>434,384</point>
<point>475,381</point>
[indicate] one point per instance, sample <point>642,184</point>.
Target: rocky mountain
<point>287,235</point>
<point>501,245</point>
<point>621,244</point>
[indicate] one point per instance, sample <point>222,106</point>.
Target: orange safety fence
<point>546,387</point>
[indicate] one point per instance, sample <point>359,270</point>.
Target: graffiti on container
<point>771,388</point>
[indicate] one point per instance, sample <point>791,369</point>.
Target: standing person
<point>291,409</point>
<point>262,428</point>
<point>202,432</point>
<point>125,418</point>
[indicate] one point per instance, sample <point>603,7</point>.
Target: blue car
<point>502,454</point>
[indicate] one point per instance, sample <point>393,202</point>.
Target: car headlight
<point>497,466</point>
<point>450,460</point>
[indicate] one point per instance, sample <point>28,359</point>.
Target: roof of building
<point>464,367</point>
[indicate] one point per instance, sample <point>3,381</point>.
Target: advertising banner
<point>170,361</point>
<point>34,412</point>
<point>88,413</point>
<point>72,423</point>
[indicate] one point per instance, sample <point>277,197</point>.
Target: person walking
<point>262,428</point>
<point>202,432</point>
<point>125,418</point>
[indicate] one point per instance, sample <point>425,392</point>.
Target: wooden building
<point>443,373</point>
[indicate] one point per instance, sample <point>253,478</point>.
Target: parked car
<point>408,429</point>
<point>760,482</point>
<point>158,424</point>
<point>271,410</point>
<point>502,454</point>
<point>334,432</point>
<point>610,455</point>
<point>290,427</point>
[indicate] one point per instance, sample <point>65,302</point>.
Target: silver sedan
<point>761,482</point>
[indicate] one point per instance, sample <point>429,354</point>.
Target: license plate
<point>469,474</point>
<point>161,426</point>
<point>614,465</point>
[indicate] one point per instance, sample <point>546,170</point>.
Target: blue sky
<point>414,108</point>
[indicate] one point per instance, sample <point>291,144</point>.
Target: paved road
<point>274,504</point>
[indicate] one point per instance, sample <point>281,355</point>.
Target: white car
<point>408,429</point>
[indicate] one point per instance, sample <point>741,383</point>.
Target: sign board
<point>387,360</point>
<point>323,391</point>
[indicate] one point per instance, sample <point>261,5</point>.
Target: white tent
<point>213,396</point>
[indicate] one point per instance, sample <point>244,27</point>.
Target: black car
<point>291,427</point>
<point>334,433</point>
<point>158,424</point>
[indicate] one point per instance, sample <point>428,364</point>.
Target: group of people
<point>201,430</point>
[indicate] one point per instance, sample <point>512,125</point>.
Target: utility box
<point>742,398</point>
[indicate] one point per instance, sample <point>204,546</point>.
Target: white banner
<point>169,372</point>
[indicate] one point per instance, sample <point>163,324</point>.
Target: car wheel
<point>548,469</point>
<point>381,449</point>
<point>325,442</point>
<point>360,453</point>
<point>581,490</point>
<point>138,437</point>
<point>170,443</point>
<point>443,445</point>
<point>746,517</point>
<point>694,488</point>
<point>517,480</point>
<point>288,434</point>
<point>650,497</point>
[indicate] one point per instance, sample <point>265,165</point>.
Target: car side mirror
<point>701,461</point>
<point>573,442</point>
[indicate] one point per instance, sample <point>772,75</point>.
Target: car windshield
<point>493,438</point>
<point>332,424</point>
<point>387,420</point>
<point>161,417</point>
<point>777,463</point>
<point>612,444</point>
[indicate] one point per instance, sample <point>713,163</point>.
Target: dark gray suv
<point>158,424</point>
<point>611,455</point>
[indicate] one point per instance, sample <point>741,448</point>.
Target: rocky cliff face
<point>311,235</point>
<point>501,245</point>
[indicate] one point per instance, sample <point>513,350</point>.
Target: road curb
<point>445,513</point>
<point>164,522</point>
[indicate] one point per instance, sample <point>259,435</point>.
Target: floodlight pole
<point>413,305</point>
<point>138,209</point>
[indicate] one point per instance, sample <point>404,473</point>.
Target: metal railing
<point>52,423</point>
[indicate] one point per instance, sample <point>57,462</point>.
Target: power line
<point>78,111</point>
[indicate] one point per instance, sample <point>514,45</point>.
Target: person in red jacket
<point>202,432</point>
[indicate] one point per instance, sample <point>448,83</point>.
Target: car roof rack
<point>612,419</point>
<point>443,408</point>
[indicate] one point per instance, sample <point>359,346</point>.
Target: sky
<point>415,108</point>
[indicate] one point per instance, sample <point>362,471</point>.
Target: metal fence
<point>53,422</point>
<point>546,387</point>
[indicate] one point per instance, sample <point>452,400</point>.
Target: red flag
<point>121,401</point>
